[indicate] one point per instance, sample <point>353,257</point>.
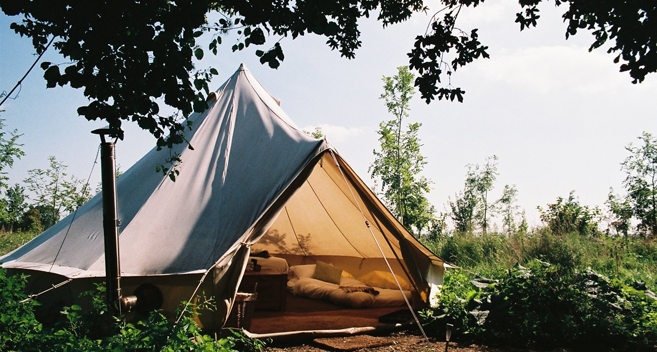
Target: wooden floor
<point>304,314</point>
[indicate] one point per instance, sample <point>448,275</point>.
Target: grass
<point>631,259</point>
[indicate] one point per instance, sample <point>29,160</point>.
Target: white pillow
<point>303,271</point>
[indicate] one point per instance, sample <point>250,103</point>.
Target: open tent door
<point>326,220</point>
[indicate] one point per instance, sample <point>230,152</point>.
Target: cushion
<point>303,271</point>
<point>327,272</point>
<point>346,275</point>
<point>384,279</point>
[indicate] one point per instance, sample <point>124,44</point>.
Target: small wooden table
<point>272,288</point>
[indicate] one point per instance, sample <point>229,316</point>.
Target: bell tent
<point>253,182</point>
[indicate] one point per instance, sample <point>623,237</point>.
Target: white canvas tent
<point>253,179</point>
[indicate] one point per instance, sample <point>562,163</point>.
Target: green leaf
<point>52,76</point>
<point>257,37</point>
<point>198,83</point>
<point>198,53</point>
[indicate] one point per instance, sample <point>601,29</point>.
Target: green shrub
<point>78,330</point>
<point>19,328</point>
<point>547,306</point>
<point>564,217</point>
<point>11,241</point>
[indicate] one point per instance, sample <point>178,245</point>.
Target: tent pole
<point>110,224</point>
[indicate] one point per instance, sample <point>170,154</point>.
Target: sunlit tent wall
<point>253,181</point>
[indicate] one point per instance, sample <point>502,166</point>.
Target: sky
<point>557,116</point>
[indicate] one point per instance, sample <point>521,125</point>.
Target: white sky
<point>558,117</point>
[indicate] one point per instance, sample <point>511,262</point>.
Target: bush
<point>11,241</point>
<point>547,306</point>
<point>19,328</point>
<point>568,216</point>
<point>89,331</point>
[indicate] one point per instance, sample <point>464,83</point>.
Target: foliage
<point>565,250</point>
<point>621,213</point>
<point>317,133</point>
<point>567,216</point>
<point>463,210</point>
<point>399,162</point>
<point>80,330</point>
<point>456,293</point>
<point>10,150</point>
<point>437,227</point>
<point>56,193</point>
<point>13,207</point>
<point>19,328</point>
<point>544,306</point>
<point>481,181</point>
<point>107,44</point>
<point>629,259</point>
<point>507,207</point>
<point>471,205</point>
<point>31,220</point>
<point>147,39</point>
<point>641,183</point>
<point>11,241</point>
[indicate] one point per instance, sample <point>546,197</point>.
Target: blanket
<point>359,295</point>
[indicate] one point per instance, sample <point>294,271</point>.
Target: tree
<point>32,220</point>
<point>403,190</point>
<point>56,193</point>
<point>621,213</point>
<point>463,210</point>
<point>471,204</point>
<point>400,162</point>
<point>109,43</point>
<point>480,181</point>
<point>507,207</point>
<point>641,182</point>
<point>317,133</point>
<point>13,206</point>
<point>437,227</point>
<point>10,150</point>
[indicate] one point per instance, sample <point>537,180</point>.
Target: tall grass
<point>630,259</point>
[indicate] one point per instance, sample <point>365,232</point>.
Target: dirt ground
<point>398,341</point>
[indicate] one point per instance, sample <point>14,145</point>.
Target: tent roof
<point>247,155</point>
